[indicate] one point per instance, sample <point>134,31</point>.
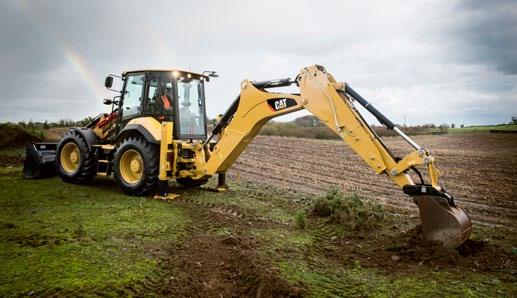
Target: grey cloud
<point>24,52</point>
<point>399,54</point>
<point>489,32</point>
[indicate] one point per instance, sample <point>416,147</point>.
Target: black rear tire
<point>149,154</point>
<point>86,169</point>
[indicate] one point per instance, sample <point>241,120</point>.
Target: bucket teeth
<point>441,222</point>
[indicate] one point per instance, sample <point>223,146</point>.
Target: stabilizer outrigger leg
<point>163,191</point>
<point>221,182</point>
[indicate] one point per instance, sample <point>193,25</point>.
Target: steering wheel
<point>153,106</point>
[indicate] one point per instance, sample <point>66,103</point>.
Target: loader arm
<point>333,103</point>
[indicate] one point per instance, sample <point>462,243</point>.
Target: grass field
<point>67,240</point>
<point>76,238</point>
<point>483,128</point>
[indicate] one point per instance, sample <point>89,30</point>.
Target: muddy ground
<point>247,259</point>
<point>246,243</point>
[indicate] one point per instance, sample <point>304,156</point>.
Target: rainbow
<point>72,57</point>
<point>82,68</point>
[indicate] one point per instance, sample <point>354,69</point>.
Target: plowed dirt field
<point>480,170</point>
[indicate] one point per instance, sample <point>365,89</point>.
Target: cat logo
<point>277,104</point>
<point>280,104</point>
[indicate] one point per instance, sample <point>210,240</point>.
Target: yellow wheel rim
<point>131,166</point>
<point>70,157</point>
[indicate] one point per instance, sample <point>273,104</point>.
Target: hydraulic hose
<point>382,119</point>
<point>369,107</point>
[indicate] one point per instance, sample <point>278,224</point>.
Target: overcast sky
<point>431,61</point>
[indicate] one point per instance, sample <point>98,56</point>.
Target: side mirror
<point>107,101</point>
<point>108,82</point>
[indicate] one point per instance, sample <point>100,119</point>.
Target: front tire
<point>136,166</point>
<point>74,160</point>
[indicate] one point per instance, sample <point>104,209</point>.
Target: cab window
<point>160,97</point>
<point>133,95</point>
<point>191,108</point>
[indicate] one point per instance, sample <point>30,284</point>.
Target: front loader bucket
<point>441,222</point>
<point>40,160</point>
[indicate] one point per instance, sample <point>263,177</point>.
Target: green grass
<point>259,201</point>
<point>326,278</point>
<point>350,210</point>
<point>78,238</point>
<point>276,239</point>
<point>354,281</point>
<point>64,239</point>
<point>483,128</point>
<point>12,151</point>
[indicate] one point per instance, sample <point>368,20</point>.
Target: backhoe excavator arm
<point>328,100</point>
<point>333,103</point>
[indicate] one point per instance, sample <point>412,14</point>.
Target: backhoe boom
<point>333,103</point>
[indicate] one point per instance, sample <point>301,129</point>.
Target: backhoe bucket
<point>40,160</point>
<point>441,222</point>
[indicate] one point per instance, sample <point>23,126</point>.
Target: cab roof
<point>164,70</point>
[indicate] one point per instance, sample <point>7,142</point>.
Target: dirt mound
<point>55,134</point>
<point>212,266</point>
<point>10,160</point>
<point>407,252</point>
<point>220,265</point>
<point>410,247</point>
<point>12,136</point>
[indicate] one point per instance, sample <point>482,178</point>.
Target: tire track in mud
<point>208,264</point>
<point>481,174</point>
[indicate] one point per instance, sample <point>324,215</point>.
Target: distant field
<point>483,128</point>
<point>293,129</point>
<point>12,134</point>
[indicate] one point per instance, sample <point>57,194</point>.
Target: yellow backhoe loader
<point>157,131</point>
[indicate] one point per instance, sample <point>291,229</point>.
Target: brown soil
<point>207,265</point>
<point>408,251</point>
<point>55,134</point>
<point>480,170</point>
<point>223,267</point>
<point>211,265</point>
<point>12,136</point>
<point>10,160</point>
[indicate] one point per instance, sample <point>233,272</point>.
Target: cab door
<point>190,119</point>
<point>132,102</point>
<point>159,102</point>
